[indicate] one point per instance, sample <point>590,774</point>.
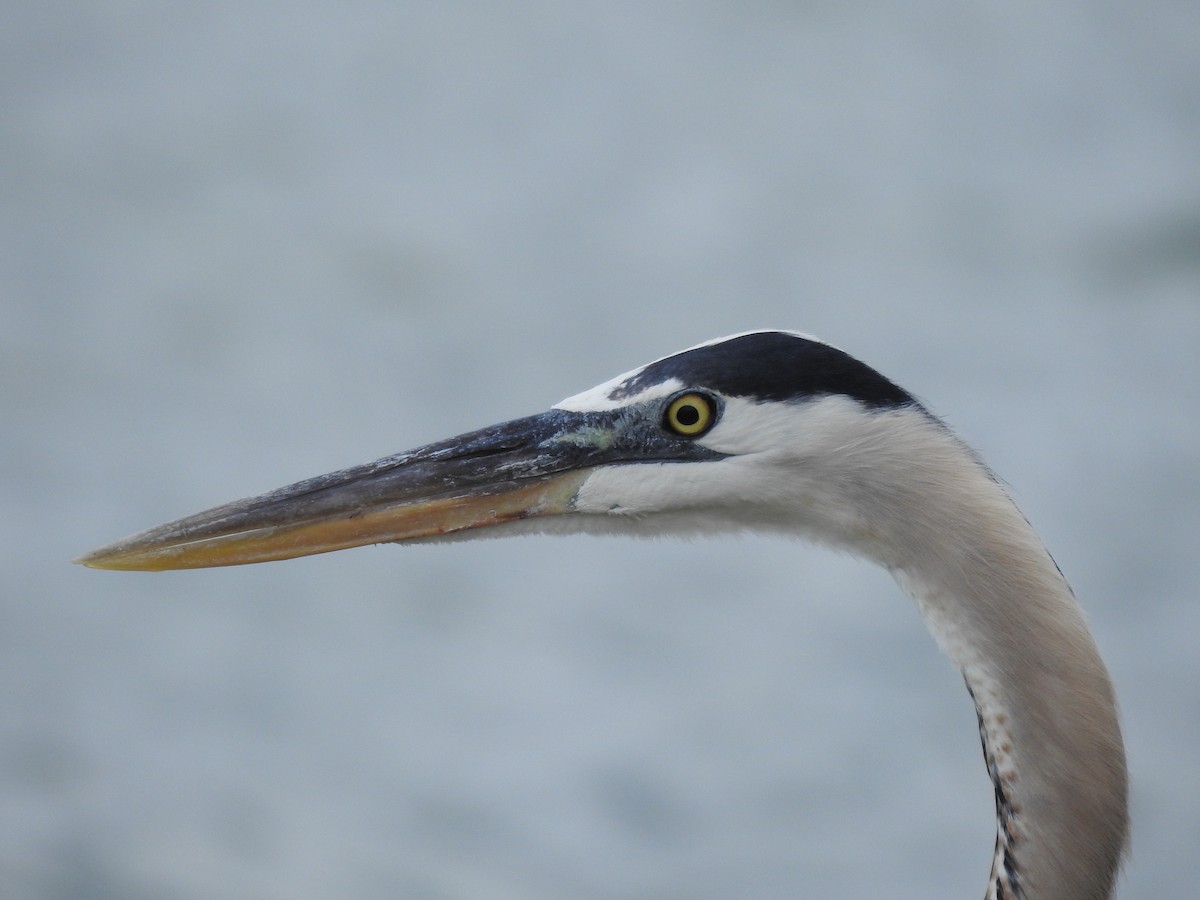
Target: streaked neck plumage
<point>1001,609</point>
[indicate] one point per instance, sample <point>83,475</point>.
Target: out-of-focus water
<point>243,245</point>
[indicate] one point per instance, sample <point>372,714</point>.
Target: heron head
<point>735,433</point>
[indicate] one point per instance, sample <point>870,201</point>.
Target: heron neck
<point>1002,611</point>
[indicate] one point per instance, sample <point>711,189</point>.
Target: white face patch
<point>803,428</point>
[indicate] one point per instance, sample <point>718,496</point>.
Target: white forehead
<point>598,399</point>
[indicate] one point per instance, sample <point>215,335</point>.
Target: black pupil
<point>687,416</point>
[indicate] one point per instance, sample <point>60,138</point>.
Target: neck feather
<point>1000,608</point>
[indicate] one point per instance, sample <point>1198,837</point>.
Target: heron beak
<point>521,469</point>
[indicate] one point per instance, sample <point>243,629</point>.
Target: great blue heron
<point>768,431</point>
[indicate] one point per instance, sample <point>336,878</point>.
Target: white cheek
<point>747,427</point>
<point>645,488</point>
<point>723,489</point>
<point>619,490</point>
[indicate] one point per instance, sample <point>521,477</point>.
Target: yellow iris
<point>690,414</point>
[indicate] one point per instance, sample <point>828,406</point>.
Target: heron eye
<point>690,415</point>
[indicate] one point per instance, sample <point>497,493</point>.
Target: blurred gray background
<point>247,243</point>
